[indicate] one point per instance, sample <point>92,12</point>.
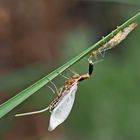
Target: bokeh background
<point>37,36</point>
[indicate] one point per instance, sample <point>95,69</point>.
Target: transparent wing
<point>63,109</point>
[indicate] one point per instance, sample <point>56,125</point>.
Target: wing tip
<point>51,128</point>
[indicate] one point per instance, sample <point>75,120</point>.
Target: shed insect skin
<point>117,39</point>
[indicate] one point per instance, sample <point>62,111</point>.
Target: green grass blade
<point>23,95</point>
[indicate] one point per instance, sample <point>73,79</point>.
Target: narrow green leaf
<point>23,95</point>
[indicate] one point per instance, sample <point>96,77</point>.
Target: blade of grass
<point>23,95</point>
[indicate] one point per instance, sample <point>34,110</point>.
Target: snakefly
<point>61,106</point>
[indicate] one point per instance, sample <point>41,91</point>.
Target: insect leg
<point>57,90</point>
<point>64,76</point>
<point>73,72</point>
<point>51,89</point>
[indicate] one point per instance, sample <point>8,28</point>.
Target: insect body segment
<point>91,67</point>
<point>53,104</point>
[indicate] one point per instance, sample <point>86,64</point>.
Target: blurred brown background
<point>36,36</point>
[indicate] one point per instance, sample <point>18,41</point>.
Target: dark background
<point>37,36</point>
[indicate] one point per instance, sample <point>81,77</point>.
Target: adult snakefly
<point>61,106</point>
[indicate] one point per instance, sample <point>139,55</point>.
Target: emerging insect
<point>61,106</point>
